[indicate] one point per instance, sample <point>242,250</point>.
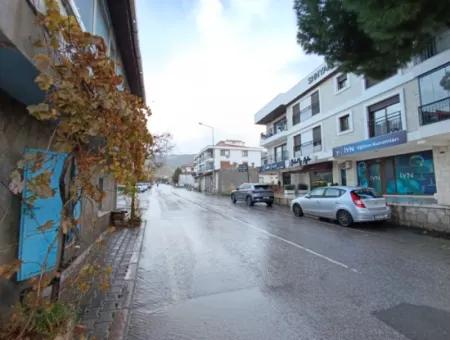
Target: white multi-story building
<point>393,135</point>
<point>225,155</point>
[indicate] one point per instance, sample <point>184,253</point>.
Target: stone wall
<point>431,217</point>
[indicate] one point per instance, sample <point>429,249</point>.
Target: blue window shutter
<point>38,248</point>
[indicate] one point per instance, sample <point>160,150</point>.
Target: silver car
<point>344,204</point>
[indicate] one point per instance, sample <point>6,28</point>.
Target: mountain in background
<point>172,162</point>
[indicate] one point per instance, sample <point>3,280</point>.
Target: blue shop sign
<point>391,139</point>
<point>273,166</point>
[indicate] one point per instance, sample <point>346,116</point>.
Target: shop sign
<point>299,161</point>
<point>273,166</point>
<point>318,74</point>
<point>243,167</point>
<point>391,139</point>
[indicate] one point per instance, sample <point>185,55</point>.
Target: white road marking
<point>310,251</point>
<point>263,231</point>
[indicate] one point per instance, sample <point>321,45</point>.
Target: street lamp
<point>213,151</point>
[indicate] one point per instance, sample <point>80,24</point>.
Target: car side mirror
<point>307,196</point>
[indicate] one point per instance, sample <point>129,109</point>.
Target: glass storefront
<point>410,174</point>
<point>320,178</point>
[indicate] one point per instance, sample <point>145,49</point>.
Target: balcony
<point>435,112</point>
<point>273,134</point>
<point>307,148</point>
<point>391,122</point>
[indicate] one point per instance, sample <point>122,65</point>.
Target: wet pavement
<point>213,270</point>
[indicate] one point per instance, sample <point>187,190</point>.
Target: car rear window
<point>262,187</point>
<point>366,193</point>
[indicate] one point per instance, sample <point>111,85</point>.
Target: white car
<point>344,204</point>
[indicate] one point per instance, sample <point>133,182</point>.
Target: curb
<point>119,330</point>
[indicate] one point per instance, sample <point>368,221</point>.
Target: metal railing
<point>392,122</point>
<point>306,113</point>
<point>273,132</point>
<point>435,111</point>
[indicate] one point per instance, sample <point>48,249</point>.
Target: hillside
<point>172,162</point>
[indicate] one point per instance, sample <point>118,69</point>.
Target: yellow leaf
<point>44,81</point>
<point>42,61</point>
<point>46,226</point>
<point>9,269</point>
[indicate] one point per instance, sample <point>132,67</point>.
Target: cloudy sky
<point>216,62</point>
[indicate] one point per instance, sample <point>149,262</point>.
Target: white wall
<point>236,157</point>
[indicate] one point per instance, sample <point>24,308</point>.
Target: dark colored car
<point>252,193</point>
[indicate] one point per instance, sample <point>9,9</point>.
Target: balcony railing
<point>435,112</point>
<point>384,125</point>
<point>273,132</point>
<point>307,148</point>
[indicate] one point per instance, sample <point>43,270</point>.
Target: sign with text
<point>391,139</point>
<point>243,167</point>
<point>273,166</point>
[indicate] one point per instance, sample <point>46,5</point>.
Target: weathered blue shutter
<point>38,247</point>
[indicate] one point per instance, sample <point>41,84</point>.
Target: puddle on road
<point>417,322</point>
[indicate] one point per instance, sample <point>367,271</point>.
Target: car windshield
<point>366,193</point>
<point>261,187</point>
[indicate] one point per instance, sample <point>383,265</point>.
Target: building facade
<point>392,135</point>
<point>187,178</point>
<point>230,156</point>
<point>113,20</point>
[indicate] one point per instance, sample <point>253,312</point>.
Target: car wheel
<point>249,201</point>
<point>269,204</point>
<point>344,218</point>
<point>297,209</point>
<point>233,199</point>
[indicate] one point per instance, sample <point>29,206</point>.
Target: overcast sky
<point>217,62</point>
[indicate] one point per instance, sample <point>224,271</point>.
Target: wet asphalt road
<point>214,270</point>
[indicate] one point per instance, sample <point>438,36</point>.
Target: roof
<point>123,18</point>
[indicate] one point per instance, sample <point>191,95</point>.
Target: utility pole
<point>213,154</point>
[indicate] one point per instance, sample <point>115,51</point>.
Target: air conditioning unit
<point>348,164</point>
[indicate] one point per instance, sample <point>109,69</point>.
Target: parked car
<point>252,193</point>
<point>343,203</point>
<point>141,187</point>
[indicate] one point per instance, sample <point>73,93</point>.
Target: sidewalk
<point>105,314</point>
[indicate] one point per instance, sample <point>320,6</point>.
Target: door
<point>311,205</point>
<point>329,202</point>
<point>40,219</point>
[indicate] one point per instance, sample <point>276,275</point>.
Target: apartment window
<point>225,153</point>
<point>281,153</point>
<point>315,105</point>
<point>341,82</point>
<point>297,144</point>
<point>385,117</point>
<point>296,114</point>
<point>435,95</point>
<point>244,153</point>
<point>279,126</point>
<point>317,138</point>
<point>344,123</point>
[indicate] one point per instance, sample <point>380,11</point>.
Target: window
<point>279,126</point>
<point>297,144</point>
<point>344,123</point>
<point>296,114</point>
<point>341,82</point>
<point>317,139</point>
<point>333,192</point>
<point>315,105</point>
<point>281,153</point>
<point>101,22</point>
<point>435,95</point>
<point>410,174</point>
<point>385,117</point>
<point>244,153</point>
<point>86,11</point>
<point>318,192</point>
<point>225,153</point>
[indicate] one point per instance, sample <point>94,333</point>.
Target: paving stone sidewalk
<point>105,314</point>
